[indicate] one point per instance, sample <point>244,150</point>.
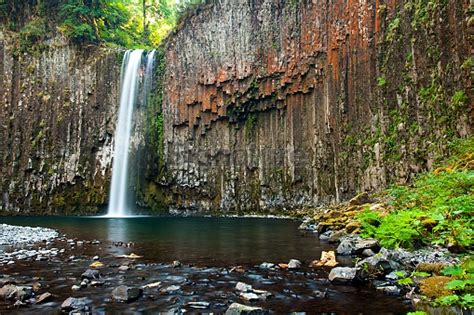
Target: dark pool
<point>193,239</point>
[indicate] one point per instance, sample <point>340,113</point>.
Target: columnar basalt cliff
<point>57,118</point>
<point>278,104</point>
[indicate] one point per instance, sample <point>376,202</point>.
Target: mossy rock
<point>434,287</point>
<point>430,267</point>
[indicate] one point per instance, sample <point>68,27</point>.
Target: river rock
<point>76,304</point>
<point>91,274</point>
<point>351,245</point>
<point>123,268</point>
<point>243,287</point>
<point>13,292</point>
<point>294,264</point>
<point>266,265</point>
<point>75,287</point>
<point>126,294</point>
<point>389,290</point>
<point>171,289</point>
<point>44,297</point>
<point>377,264</point>
<point>176,264</point>
<point>249,296</point>
<point>199,305</point>
<point>240,309</point>
<point>343,275</point>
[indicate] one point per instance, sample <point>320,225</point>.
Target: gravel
<point>19,235</point>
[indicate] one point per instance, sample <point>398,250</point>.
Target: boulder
<point>343,275</point>
<point>294,264</point>
<point>376,265</point>
<point>240,309</point>
<point>352,245</point>
<point>360,199</point>
<point>126,294</point>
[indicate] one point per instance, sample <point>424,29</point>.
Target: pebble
<point>294,264</point>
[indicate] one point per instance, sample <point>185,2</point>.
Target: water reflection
<point>207,240</point>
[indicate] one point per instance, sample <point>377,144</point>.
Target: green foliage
<point>392,29</point>
<point>459,99</point>
<point>417,313</point>
<point>381,82</point>
<point>437,209</point>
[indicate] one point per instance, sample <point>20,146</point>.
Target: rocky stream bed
<point>44,272</point>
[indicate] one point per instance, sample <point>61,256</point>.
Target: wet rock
<point>176,264</point>
<point>123,268</point>
<point>240,309</point>
<point>326,235</point>
<point>91,274</point>
<point>8,292</point>
<point>351,245</point>
<point>321,294</point>
<point>393,276</point>
<point>283,266</point>
<point>343,275</point>
<point>124,293</point>
<point>307,225</point>
<point>97,283</point>
<point>76,287</point>
<point>243,287</point>
<point>368,253</point>
<point>198,305</point>
<point>294,264</point>
<point>177,279</point>
<point>336,236</point>
<point>377,264</point>
<point>152,285</point>
<point>266,265</point>
<point>19,304</point>
<point>13,292</point>
<point>95,258</point>
<point>248,296</point>
<point>45,297</point>
<point>389,290</point>
<point>171,289</point>
<point>76,304</point>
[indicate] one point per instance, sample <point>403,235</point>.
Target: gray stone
<point>294,264</point>
<point>199,305</point>
<point>390,290</point>
<point>124,293</point>
<point>176,264</point>
<point>76,304</point>
<point>368,252</point>
<point>91,274</point>
<point>240,309</point>
<point>75,287</point>
<point>171,289</point>
<point>249,296</point>
<point>266,265</point>
<point>343,275</point>
<point>243,287</point>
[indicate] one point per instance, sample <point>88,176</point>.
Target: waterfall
<point>131,73</point>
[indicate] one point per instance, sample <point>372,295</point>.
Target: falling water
<point>131,68</point>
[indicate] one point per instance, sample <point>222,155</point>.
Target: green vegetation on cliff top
<point>123,23</point>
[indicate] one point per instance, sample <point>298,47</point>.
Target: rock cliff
<point>57,119</point>
<point>277,104</point>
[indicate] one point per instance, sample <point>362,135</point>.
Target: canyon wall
<point>271,105</point>
<point>57,120</point>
